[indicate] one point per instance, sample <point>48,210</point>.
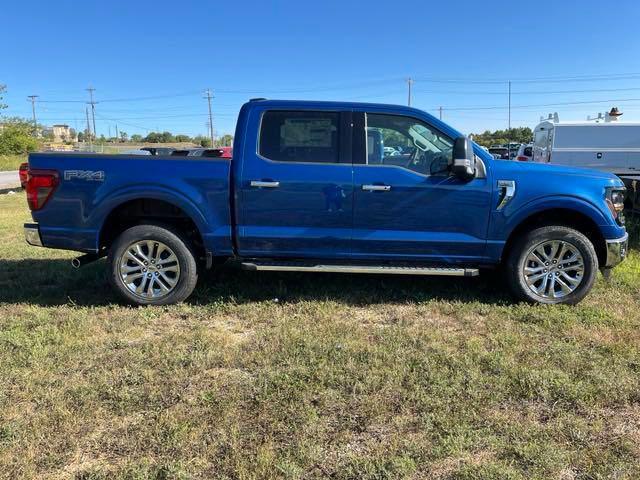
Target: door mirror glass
<point>464,160</point>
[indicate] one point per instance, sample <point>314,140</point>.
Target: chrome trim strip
<point>454,272</point>
<point>261,184</point>
<point>376,188</point>
<point>509,187</point>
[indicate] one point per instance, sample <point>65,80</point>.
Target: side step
<point>384,269</point>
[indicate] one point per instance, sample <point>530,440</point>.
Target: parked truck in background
<point>310,188</point>
<point>610,146</point>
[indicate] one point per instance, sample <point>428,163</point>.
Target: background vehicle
<point>310,189</point>
<point>136,152</point>
<point>159,150</point>
<point>499,152</point>
<point>611,147</point>
<point>219,152</point>
<point>180,153</point>
<point>608,146</point>
<point>525,153</point>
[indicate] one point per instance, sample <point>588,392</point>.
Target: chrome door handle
<point>376,188</point>
<point>261,184</point>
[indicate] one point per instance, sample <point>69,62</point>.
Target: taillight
<point>40,185</point>
<point>521,158</point>
<point>23,171</point>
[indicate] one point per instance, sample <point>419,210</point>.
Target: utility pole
<point>209,96</point>
<point>33,110</point>
<point>509,122</point>
<point>86,110</point>
<point>409,83</point>
<point>117,134</point>
<point>93,108</point>
<point>440,110</point>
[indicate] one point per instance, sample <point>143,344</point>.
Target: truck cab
<point>311,188</point>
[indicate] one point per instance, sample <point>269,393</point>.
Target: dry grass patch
<point>311,376</point>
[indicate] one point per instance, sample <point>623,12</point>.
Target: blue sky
<point>460,53</point>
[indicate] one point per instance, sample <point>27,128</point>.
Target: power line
<point>359,85</point>
<point>554,79</point>
<point>152,97</point>
<point>152,117</point>
<point>586,102</point>
<point>125,123</point>
<point>522,92</point>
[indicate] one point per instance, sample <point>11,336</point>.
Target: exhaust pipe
<point>84,260</point>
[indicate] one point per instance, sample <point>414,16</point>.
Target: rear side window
<point>302,136</point>
<point>528,151</point>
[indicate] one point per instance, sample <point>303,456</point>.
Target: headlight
<point>615,201</point>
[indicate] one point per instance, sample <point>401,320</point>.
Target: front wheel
<point>152,265</point>
<point>552,265</point>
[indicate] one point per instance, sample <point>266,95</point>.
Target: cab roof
<point>378,107</point>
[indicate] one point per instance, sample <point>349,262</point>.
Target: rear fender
<point>105,205</point>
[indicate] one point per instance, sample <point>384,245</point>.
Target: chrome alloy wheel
<point>553,269</point>
<point>149,269</point>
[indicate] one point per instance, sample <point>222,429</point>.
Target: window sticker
<point>306,132</point>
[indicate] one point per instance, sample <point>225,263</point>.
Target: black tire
<point>515,264</point>
<point>188,269</point>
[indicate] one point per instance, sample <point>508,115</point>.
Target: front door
<point>407,206</point>
<point>296,186</point>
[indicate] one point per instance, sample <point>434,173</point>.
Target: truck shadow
<point>53,282</point>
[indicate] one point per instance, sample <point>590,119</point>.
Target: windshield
<point>429,138</point>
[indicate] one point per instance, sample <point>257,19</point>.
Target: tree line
<point>501,137</point>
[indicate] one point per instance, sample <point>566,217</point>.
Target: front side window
<point>409,143</point>
<point>301,136</point>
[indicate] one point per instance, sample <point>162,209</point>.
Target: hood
<point>545,170</point>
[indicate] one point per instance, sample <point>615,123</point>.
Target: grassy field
<point>311,376</point>
<point>11,162</point>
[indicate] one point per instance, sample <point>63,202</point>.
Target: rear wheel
<point>552,265</point>
<point>152,265</point>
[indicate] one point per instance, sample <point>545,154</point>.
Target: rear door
<point>296,186</point>
<point>407,205</point>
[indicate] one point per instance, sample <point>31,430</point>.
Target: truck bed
<point>92,185</point>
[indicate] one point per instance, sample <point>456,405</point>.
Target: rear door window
<point>300,136</point>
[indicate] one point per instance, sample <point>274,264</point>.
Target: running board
<point>387,270</point>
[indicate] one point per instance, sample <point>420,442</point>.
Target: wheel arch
<point>566,217</point>
<point>154,209</point>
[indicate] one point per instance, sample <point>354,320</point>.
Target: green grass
<point>11,162</point>
<point>311,376</point>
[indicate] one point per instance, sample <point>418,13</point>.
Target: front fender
<point>503,223</point>
<point>511,218</point>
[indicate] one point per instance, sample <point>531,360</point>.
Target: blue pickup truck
<point>310,188</point>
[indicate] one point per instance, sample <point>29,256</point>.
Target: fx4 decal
<point>87,175</point>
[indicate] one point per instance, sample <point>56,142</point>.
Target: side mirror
<point>464,160</point>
